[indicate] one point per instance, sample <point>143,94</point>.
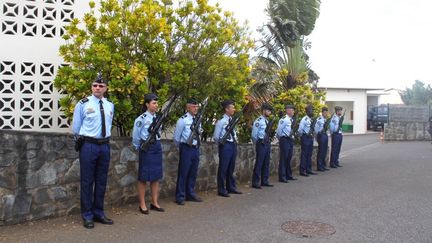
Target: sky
<point>361,43</point>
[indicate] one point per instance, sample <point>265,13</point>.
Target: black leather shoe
<point>321,170</point>
<point>267,185</point>
<point>181,203</point>
<point>325,168</point>
<point>311,173</point>
<point>339,165</point>
<point>332,166</point>
<point>88,224</point>
<point>104,220</point>
<point>283,181</point>
<point>223,194</point>
<point>256,187</point>
<point>292,178</point>
<point>153,207</point>
<point>304,174</point>
<point>143,211</point>
<point>235,192</point>
<point>194,199</point>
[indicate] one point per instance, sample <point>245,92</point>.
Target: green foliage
<point>293,19</point>
<point>193,50</point>
<point>281,73</point>
<point>418,94</point>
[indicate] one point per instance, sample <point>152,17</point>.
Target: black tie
<point>103,118</point>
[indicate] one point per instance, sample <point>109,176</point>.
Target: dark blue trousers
<point>286,152</point>
<point>187,172</point>
<point>335,148</point>
<point>306,154</point>
<point>322,140</point>
<point>227,158</point>
<point>94,164</point>
<point>262,164</point>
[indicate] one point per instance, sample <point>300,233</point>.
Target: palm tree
<point>282,63</point>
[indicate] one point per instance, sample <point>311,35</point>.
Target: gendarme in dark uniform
<point>306,132</point>
<point>92,121</point>
<point>150,167</point>
<point>227,152</point>
<point>285,134</point>
<point>336,138</point>
<point>322,139</point>
<point>261,171</point>
<point>189,156</point>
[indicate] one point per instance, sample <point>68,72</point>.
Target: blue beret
<point>150,97</point>
<point>226,103</point>
<point>192,101</point>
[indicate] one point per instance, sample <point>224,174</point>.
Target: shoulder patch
<point>84,100</point>
<point>139,124</point>
<point>256,124</point>
<point>281,121</point>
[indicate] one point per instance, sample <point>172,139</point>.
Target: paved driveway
<point>382,194</point>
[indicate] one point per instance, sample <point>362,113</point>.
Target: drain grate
<point>308,228</point>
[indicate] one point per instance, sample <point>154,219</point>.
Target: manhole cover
<point>308,228</point>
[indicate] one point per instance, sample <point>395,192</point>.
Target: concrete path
<point>383,193</point>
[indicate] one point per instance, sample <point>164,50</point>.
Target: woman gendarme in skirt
<point>150,160</point>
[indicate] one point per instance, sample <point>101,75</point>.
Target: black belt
<point>97,140</point>
<point>286,137</point>
<point>190,146</point>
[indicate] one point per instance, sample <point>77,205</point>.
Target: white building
<point>354,102</point>
<point>30,37</point>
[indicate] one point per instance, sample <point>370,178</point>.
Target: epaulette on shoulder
<point>259,119</point>
<point>184,116</point>
<point>143,115</point>
<point>84,100</point>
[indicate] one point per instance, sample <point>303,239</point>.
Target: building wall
<point>358,98</point>
<point>30,37</point>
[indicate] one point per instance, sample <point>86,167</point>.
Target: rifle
<point>268,132</point>
<point>196,125</point>
<point>340,121</point>
<point>327,123</point>
<point>157,124</point>
<point>231,125</point>
<point>294,127</point>
<point>312,127</point>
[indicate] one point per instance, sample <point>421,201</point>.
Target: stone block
<point>8,177</point>
<point>127,180</point>
<point>127,155</point>
<point>73,174</point>
<point>41,196</point>
<point>59,193</point>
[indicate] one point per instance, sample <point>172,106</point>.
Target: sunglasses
<point>98,85</point>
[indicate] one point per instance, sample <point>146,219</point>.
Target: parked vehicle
<point>377,117</point>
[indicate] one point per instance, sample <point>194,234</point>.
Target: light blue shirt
<point>183,130</point>
<point>220,130</point>
<point>140,129</point>
<point>87,119</point>
<point>319,125</point>
<point>258,129</point>
<point>284,127</point>
<point>305,125</point>
<point>334,124</point>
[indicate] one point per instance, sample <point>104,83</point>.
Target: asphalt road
<point>381,194</point>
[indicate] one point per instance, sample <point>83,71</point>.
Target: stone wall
<point>39,173</point>
<point>407,123</point>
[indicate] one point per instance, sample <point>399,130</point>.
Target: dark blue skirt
<point>150,163</point>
